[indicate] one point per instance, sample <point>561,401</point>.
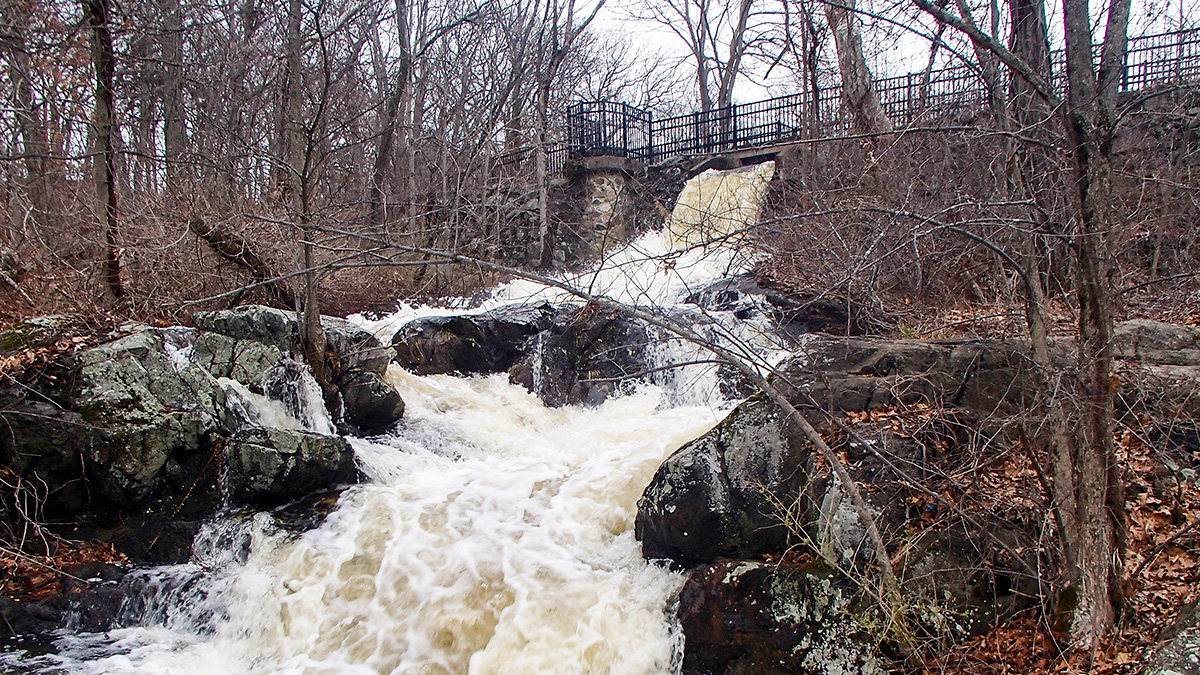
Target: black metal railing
<point>599,128</point>
<point>608,128</point>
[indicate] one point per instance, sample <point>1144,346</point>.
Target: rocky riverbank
<point>156,426</point>
<point>932,432</point>
<point>139,438</point>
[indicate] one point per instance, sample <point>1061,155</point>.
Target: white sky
<point>899,53</point>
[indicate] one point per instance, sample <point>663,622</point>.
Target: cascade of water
<point>293,385</point>
<point>700,243</point>
<point>494,535</point>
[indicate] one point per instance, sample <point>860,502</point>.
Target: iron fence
<point>609,128</point>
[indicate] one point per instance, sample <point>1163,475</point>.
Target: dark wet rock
<point>565,355</point>
<point>92,598</point>
<point>485,343</point>
<point>794,314</point>
<point>741,617</point>
<point>274,466</point>
<point>725,494</point>
<point>584,357</point>
<point>308,513</point>
<point>20,617</point>
<point>371,405</point>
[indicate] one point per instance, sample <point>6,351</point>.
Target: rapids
<point>492,535</point>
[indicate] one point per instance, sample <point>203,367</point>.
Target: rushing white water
<point>493,535</point>
<point>698,245</point>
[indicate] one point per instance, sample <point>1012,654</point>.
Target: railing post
<point>625,132</point>
<point>650,137</point>
<point>733,112</point>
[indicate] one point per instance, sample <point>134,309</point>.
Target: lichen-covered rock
<point>726,493</point>
<point>134,426</point>
<point>273,466</point>
<point>249,342</point>
<point>149,411</point>
<point>741,617</point>
<point>1181,653</point>
<point>243,360</point>
<point>355,349</point>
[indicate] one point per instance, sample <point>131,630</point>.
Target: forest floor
<point>1162,584</point>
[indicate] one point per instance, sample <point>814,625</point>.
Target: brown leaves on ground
<point>1162,563</point>
<point>25,349</point>
<point>1162,568</point>
<point>28,576</point>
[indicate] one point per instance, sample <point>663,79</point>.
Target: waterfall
<point>493,535</point>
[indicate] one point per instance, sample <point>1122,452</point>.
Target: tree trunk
<point>298,161</point>
<point>733,64</point>
<point>546,233</point>
<point>97,14</point>
<point>380,171</point>
<point>236,249</point>
<point>174,119</point>
<point>35,147</point>
<point>1099,490</point>
<point>858,90</point>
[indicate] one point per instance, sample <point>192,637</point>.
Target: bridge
<point>611,129</point>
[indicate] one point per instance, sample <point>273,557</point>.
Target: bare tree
<point>35,147</point>
<point>858,89</point>
<point>718,34</point>
<point>1088,486</point>
<point>98,16</point>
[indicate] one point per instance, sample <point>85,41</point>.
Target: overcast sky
<point>891,50</point>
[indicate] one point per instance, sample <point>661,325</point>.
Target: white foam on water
<point>511,552</point>
<point>494,535</point>
<point>701,242</point>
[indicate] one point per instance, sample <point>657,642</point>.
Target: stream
<point>492,534</point>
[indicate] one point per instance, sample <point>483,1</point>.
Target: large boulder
<point>862,373</point>
<point>245,342</point>
<point>135,426</point>
<point>370,403</point>
<point>794,314</point>
<point>132,420</point>
<point>728,493</point>
<point>1157,342</point>
<point>490,342</point>
<point>584,357</point>
<point>565,355</point>
<point>743,617</point>
<point>355,349</point>
<point>266,467</point>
